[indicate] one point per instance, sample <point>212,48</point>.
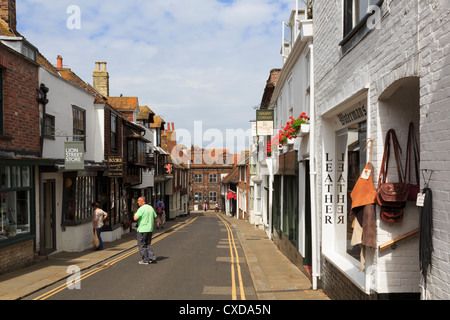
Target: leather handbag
<point>414,189</point>
<point>391,196</point>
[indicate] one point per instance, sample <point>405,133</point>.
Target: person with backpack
<point>161,214</point>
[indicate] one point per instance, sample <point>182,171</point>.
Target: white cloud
<point>189,60</point>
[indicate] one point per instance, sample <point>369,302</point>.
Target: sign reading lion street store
<point>74,155</point>
<point>264,122</point>
<point>115,167</point>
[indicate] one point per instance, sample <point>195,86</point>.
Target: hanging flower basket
<point>293,129</point>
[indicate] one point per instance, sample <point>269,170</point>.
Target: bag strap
<point>412,144</point>
<point>385,162</point>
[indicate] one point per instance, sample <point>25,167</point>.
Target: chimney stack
<point>101,79</point>
<point>59,63</point>
<point>8,14</point>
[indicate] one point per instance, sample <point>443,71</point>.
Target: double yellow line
<point>234,261</point>
<point>108,264</point>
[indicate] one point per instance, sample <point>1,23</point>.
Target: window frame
<point>198,177</point>
<point>23,184</point>
<point>198,197</point>
<point>49,128</point>
<point>114,133</point>
<point>349,25</point>
<point>213,178</point>
<point>78,133</point>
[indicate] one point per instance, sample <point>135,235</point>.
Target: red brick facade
<point>21,133</point>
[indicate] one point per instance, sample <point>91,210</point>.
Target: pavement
<point>274,276</point>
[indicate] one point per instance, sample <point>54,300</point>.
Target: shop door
<point>48,227</point>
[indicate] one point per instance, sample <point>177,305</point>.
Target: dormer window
<point>29,52</point>
<point>20,45</point>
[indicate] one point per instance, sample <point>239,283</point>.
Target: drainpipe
<point>313,178</point>
<point>42,90</point>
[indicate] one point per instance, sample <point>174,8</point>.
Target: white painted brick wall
<point>434,44</point>
<point>379,60</point>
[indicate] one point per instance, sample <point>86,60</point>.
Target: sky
<point>200,64</point>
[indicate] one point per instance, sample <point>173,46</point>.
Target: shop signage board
<point>74,155</point>
<point>115,167</point>
<point>264,122</point>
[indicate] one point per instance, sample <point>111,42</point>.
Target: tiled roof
<point>144,113</point>
<point>158,122</point>
<point>5,31</point>
<point>124,103</point>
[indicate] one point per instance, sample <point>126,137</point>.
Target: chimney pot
<point>59,64</point>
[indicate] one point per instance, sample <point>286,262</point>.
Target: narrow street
<point>202,260</point>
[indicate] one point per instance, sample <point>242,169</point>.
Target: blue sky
<point>191,60</point>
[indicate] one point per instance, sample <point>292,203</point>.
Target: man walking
<point>145,216</point>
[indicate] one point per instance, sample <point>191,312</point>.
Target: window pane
<point>26,176</point>
<point>15,177</point>
<point>5,177</point>
<point>14,214</point>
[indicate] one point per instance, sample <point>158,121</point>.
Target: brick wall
<point>435,134</point>
<point>20,108</point>
<point>338,286</point>
<point>16,256</point>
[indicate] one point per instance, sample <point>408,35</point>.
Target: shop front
<point>353,231</point>
<point>17,214</point>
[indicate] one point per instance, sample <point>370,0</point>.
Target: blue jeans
<point>99,231</point>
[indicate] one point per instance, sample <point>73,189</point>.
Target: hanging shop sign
<point>115,167</point>
<point>264,122</point>
<point>74,155</point>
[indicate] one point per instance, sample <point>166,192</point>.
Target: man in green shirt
<point>145,216</point>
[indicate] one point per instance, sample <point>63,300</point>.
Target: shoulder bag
<point>391,196</point>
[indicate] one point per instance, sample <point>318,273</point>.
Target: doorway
<point>48,227</point>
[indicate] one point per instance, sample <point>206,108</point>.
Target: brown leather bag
<point>414,189</point>
<point>391,196</point>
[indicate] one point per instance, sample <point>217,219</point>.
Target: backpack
<point>159,210</point>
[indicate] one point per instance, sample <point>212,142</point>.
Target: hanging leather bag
<point>414,189</point>
<point>391,196</point>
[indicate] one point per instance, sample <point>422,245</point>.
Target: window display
<point>15,193</point>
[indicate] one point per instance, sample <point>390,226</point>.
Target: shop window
<point>290,209</point>
<point>350,161</point>
<point>15,202</point>
<point>78,195</point>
